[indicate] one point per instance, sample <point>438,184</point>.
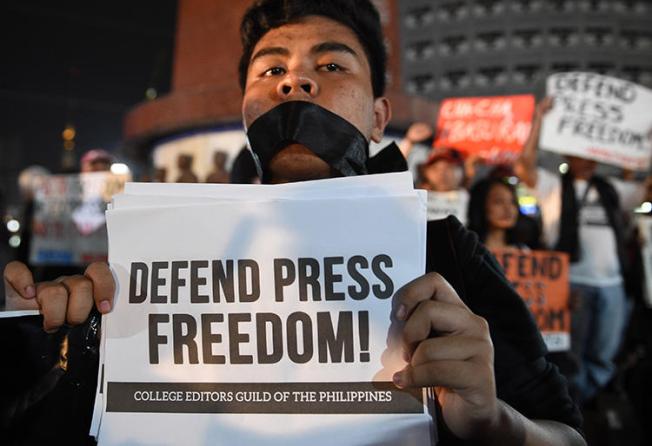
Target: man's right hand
<point>66,300</point>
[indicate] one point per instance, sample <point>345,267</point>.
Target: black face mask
<point>327,135</point>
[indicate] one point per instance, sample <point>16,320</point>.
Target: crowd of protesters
<point>586,215</point>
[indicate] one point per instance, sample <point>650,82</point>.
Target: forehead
<point>309,31</point>
<point>499,189</point>
<point>442,164</point>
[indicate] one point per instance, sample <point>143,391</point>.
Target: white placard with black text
<point>261,321</point>
<point>599,117</point>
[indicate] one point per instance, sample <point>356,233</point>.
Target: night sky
<point>79,63</point>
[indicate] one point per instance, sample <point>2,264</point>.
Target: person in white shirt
<point>583,214</point>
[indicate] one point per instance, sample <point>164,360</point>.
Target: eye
<point>274,71</point>
<point>332,67</point>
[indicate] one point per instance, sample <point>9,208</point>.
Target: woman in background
<point>494,215</point>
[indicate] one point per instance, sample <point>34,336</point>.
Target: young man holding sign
<point>323,62</point>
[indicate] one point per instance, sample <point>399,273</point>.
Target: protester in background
<point>528,227</point>
<point>96,160</point>
<point>493,213</point>
<point>219,173</point>
<point>583,215</point>
<point>446,177</point>
<point>184,164</point>
<point>442,172</point>
<point>442,176</point>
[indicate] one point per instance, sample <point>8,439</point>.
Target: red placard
<point>493,128</point>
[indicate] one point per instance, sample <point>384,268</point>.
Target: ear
<point>382,115</point>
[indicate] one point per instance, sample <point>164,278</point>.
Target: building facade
<point>487,47</point>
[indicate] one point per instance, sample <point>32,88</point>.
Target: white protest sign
<point>443,204</point>
<point>261,322</point>
<point>599,117</point>
<point>334,187</point>
<point>69,223</point>
<point>145,194</point>
<point>18,313</point>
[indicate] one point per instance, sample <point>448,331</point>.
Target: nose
<point>296,85</point>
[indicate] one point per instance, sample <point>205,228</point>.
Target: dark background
<point>78,63</point>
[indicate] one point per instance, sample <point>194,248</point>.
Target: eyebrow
<point>324,47</point>
<point>271,50</point>
<point>327,47</point>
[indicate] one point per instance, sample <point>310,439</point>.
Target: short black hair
<point>358,15</point>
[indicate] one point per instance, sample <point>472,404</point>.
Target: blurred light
<point>14,241</point>
<point>13,225</point>
<point>645,208</point>
<point>151,93</point>
<point>512,180</point>
<point>528,209</point>
<point>563,168</point>
<point>527,200</point>
<point>119,169</point>
<point>68,133</point>
<point>69,145</point>
<point>527,204</point>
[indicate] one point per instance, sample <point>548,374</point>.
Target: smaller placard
<point>443,204</point>
<point>493,128</point>
<point>541,279</point>
<point>69,226</point>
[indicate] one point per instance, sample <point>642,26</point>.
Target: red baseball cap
<point>450,155</point>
